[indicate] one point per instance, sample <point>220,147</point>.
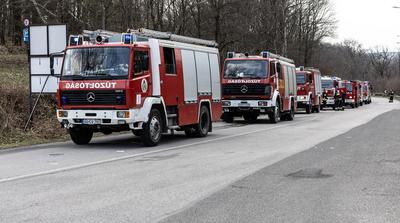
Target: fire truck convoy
<point>144,81</point>
<point>151,83</point>
<point>309,89</point>
<point>256,85</point>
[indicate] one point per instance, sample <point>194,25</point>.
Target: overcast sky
<point>370,22</point>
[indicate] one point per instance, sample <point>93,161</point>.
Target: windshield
<point>96,63</point>
<point>349,87</point>
<point>301,79</point>
<point>236,69</point>
<point>327,84</point>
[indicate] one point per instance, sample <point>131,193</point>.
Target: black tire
<point>356,105</point>
<point>228,118</point>
<point>319,106</point>
<point>251,118</point>
<point>152,130</point>
<point>190,132</point>
<point>81,136</point>
<point>308,109</point>
<point>290,116</point>
<point>137,132</point>
<point>352,105</point>
<point>275,117</point>
<point>203,127</point>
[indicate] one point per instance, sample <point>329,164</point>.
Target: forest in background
<point>293,28</point>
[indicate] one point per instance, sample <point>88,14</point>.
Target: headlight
<point>123,114</point>
<point>351,97</point>
<point>62,114</point>
<point>226,103</point>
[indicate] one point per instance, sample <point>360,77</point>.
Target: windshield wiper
<point>104,76</point>
<point>74,77</point>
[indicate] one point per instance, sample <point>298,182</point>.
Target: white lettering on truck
<point>90,85</point>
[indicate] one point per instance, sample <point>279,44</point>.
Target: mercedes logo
<point>90,97</point>
<point>244,89</point>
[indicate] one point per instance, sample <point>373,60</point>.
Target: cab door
<point>141,79</point>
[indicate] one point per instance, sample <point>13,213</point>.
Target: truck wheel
<point>250,118</point>
<point>275,117</point>
<point>290,116</point>
<point>81,136</point>
<point>308,109</point>
<point>228,118</point>
<point>356,105</point>
<point>318,108</point>
<point>137,132</point>
<point>152,130</point>
<point>352,105</point>
<point>202,128</point>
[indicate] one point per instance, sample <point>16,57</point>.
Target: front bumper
<point>350,101</point>
<point>100,118</point>
<point>240,107</point>
<point>330,101</point>
<point>303,101</point>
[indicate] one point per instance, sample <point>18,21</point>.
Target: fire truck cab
<point>309,89</point>
<point>257,85</point>
<point>143,81</point>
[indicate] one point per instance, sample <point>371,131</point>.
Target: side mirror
<point>278,68</point>
<point>52,65</point>
<point>52,56</point>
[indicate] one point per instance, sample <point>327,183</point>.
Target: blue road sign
<point>26,35</point>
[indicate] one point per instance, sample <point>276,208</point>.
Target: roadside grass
<point>14,107</point>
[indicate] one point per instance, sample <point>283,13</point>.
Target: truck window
<point>235,69</point>
<point>169,60</point>
<point>279,70</point>
<point>349,87</point>
<point>272,68</point>
<point>301,78</point>
<point>141,62</point>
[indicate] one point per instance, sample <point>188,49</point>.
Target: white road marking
<point>73,167</point>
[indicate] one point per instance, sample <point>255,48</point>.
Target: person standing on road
<point>343,95</point>
<point>337,99</point>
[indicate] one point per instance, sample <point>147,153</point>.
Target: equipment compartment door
<point>171,76</point>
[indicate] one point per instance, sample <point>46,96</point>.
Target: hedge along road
<point>115,179</point>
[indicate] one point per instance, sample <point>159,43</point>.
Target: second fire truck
<point>309,89</point>
<point>257,85</point>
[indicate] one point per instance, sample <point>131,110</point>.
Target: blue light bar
<point>127,38</point>
<point>265,54</point>
<point>75,40</point>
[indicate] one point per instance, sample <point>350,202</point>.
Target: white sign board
<point>38,40</point>
<point>44,41</point>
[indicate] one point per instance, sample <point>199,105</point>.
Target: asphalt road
<point>115,179</point>
<point>351,178</point>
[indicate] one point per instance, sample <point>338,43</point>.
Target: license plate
<point>243,104</point>
<point>91,121</point>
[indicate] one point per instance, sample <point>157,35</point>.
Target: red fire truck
<point>309,89</point>
<point>329,86</point>
<point>256,85</point>
<point>143,81</point>
<point>352,92</point>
